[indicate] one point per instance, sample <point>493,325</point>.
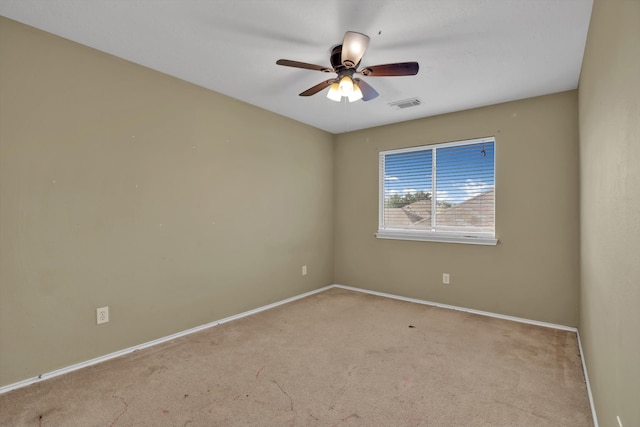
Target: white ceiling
<point>471,52</point>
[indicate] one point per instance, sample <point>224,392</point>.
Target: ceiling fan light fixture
<point>334,93</point>
<point>356,94</point>
<point>353,48</point>
<point>346,86</point>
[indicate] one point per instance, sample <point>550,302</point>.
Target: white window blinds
<point>442,192</point>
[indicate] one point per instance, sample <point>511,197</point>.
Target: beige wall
<point>532,272</point>
<point>121,186</point>
<point>609,106</point>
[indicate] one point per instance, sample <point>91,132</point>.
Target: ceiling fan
<point>345,59</point>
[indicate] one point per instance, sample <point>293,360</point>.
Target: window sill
<point>431,237</point>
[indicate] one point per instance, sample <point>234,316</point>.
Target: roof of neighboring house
<point>477,212</point>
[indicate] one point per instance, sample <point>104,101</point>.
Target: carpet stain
<point>43,414</point>
<point>343,389</point>
<point>354,416</point>
<point>406,382</point>
<point>156,369</point>
<point>126,408</point>
<point>287,394</point>
<point>259,372</point>
<point>413,422</point>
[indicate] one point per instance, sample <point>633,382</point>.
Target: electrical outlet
<point>304,270</point>
<point>445,278</point>
<point>102,315</point>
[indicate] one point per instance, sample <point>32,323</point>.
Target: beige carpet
<point>338,358</point>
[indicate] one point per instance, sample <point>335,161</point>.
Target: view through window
<point>443,192</point>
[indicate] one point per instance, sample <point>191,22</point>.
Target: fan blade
<point>297,64</point>
<point>368,93</point>
<point>317,88</point>
<point>398,69</point>
<point>353,47</point>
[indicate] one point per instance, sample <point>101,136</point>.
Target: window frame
<point>399,233</point>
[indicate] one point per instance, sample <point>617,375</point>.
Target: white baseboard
<point>467,310</point>
<point>119,353</point>
<point>586,380</point>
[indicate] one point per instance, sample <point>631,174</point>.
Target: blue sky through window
<point>463,172</point>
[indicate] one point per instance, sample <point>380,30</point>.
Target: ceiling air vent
<point>405,103</point>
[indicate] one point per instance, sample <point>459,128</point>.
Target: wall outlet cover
<point>102,315</point>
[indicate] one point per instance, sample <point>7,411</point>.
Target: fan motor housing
<point>336,60</point>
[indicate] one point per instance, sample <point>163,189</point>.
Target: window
<point>443,193</point>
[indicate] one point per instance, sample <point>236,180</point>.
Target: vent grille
<point>405,103</point>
